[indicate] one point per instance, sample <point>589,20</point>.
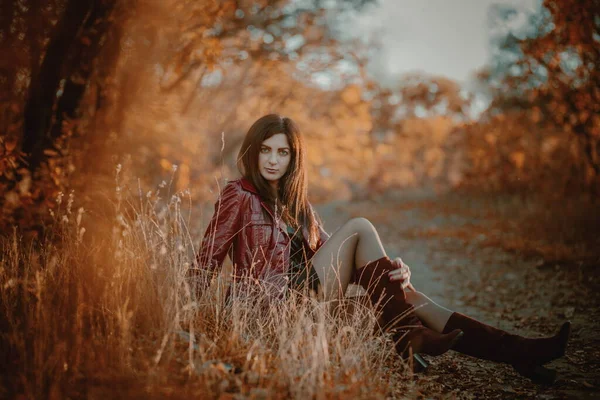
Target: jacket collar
<point>247,185</point>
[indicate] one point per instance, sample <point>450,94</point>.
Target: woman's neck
<point>274,191</point>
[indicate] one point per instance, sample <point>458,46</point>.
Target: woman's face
<point>274,158</point>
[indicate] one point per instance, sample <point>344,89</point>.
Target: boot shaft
<point>387,296</point>
<point>489,343</point>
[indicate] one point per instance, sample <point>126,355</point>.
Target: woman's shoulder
<point>233,184</point>
<point>230,191</point>
<point>240,188</point>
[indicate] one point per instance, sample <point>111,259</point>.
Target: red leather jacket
<point>258,246</point>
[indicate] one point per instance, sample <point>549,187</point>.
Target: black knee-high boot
<point>398,316</point>
<point>526,355</point>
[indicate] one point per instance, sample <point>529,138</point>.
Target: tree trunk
<point>7,69</point>
<point>55,92</point>
<point>90,44</point>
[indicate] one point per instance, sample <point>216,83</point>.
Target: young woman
<point>268,227</point>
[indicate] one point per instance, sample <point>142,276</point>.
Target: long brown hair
<point>291,199</point>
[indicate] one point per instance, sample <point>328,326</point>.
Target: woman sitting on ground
<point>271,232</point>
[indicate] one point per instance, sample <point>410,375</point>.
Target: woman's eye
<point>284,152</point>
<point>264,150</point>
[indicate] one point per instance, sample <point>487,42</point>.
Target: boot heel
<point>537,373</point>
<point>457,339</point>
<point>419,364</point>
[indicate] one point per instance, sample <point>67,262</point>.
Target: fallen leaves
<point>480,252</point>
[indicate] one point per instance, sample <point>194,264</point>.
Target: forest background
<point>118,118</point>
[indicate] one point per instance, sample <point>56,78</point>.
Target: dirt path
<point>523,296</point>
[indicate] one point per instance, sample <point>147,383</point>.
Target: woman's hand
<point>401,274</point>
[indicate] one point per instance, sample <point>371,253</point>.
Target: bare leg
<point>429,312</point>
<point>352,246</point>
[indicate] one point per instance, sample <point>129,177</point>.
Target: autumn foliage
<point>162,92</point>
<point>551,103</point>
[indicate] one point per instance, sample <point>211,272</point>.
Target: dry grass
<point>108,313</point>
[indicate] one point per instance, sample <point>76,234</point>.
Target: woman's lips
<point>271,171</point>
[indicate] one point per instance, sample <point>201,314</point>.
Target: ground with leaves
<point>478,256</point>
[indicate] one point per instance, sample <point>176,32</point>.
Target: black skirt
<point>303,276</point>
<point>301,273</point>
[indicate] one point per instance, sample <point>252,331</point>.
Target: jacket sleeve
<point>224,225</point>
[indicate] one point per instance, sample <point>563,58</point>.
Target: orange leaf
<point>50,152</point>
<point>166,164</point>
<point>10,145</point>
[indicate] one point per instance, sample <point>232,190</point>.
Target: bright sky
<point>441,37</point>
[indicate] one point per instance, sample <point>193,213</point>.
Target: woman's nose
<point>273,159</point>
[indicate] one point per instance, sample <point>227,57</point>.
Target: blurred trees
<point>193,106</point>
<point>78,79</point>
<point>549,70</point>
<point>50,59</point>
<point>217,34</point>
<point>179,81</point>
<point>417,96</point>
<point>24,33</point>
<point>412,125</point>
<point>570,56</point>
<point>57,83</point>
<point>541,129</point>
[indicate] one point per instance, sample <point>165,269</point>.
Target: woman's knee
<point>359,224</point>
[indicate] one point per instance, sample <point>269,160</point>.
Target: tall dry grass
<point>101,307</point>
